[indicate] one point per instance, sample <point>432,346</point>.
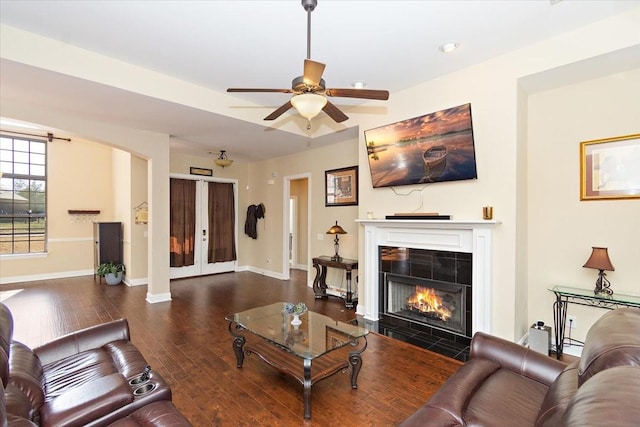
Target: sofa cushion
<point>469,397</point>
<point>74,371</point>
<point>607,399</point>
<point>87,402</point>
<point>613,340</point>
<point>558,397</point>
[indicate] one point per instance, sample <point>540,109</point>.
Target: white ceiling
<point>218,44</point>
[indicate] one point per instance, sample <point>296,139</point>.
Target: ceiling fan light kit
<point>309,90</point>
<point>308,105</point>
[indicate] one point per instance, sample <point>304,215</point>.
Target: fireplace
<point>452,259</point>
<point>424,292</point>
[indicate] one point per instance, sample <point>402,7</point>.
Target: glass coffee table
<point>310,352</point>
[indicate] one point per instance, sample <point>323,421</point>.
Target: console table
<point>321,264</point>
<point>566,295</point>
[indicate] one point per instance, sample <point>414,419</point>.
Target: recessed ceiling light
<point>358,84</point>
<point>449,47</point>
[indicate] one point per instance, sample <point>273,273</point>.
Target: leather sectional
<point>91,377</point>
<point>505,384</point>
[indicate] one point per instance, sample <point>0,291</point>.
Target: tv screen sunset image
<point>436,147</point>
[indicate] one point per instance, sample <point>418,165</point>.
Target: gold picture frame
<point>341,186</point>
<point>609,168</point>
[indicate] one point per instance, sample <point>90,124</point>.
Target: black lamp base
<point>603,286</point>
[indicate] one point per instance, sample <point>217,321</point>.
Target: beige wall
<point>503,131</point>
<point>500,121</point>
<point>78,177</point>
<point>561,228</point>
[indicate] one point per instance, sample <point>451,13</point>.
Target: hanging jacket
<point>254,212</point>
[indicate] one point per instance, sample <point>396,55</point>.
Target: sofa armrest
<point>516,358</point>
<point>83,340</point>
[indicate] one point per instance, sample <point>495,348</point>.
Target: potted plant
<point>111,271</point>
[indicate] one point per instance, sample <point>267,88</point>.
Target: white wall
<point>501,129</point>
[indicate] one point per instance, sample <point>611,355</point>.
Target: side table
<point>321,264</point>
<point>566,295</point>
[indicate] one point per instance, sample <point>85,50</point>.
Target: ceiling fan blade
<point>381,95</point>
<point>280,111</point>
<point>334,112</point>
<point>312,72</point>
<point>235,89</point>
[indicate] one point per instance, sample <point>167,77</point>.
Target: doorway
<point>197,260</point>
<point>297,198</point>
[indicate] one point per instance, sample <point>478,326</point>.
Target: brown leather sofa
<point>91,377</point>
<point>505,384</point>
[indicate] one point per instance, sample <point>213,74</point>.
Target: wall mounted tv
<point>436,147</point>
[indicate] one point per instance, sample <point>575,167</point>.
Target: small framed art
<point>341,186</point>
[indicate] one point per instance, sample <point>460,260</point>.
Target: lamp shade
<point>599,260</point>
<point>336,229</point>
<point>308,105</point>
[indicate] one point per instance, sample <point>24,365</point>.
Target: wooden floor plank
<point>188,342</point>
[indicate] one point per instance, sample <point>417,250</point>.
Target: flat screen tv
<point>436,147</point>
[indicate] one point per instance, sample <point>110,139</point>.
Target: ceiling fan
<point>309,90</point>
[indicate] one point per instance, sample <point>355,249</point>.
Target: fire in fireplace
<point>428,303</point>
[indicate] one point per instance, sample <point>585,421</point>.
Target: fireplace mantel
<point>469,236</point>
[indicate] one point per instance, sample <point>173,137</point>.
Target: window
<point>23,195</point>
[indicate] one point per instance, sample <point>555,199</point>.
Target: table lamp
<point>599,260</point>
<point>336,229</point>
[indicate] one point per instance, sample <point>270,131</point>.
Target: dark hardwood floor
<point>188,342</point>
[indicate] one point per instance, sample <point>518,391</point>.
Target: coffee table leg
<point>307,389</point>
<point>238,346</point>
<point>355,360</point>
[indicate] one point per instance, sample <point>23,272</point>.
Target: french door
<point>199,208</point>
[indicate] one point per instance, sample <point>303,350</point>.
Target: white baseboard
<point>46,276</point>
<point>155,298</point>
<point>268,273</point>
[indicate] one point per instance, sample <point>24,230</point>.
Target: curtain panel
<point>222,242</point>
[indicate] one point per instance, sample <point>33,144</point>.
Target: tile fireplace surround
<point>447,235</point>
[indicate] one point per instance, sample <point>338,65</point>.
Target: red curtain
<point>182,217</point>
<point>222,242</point>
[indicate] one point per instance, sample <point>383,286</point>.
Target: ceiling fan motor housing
<point>299,86</point>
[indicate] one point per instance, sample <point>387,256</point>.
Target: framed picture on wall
<point>341,186</point>
<point>609,168</point>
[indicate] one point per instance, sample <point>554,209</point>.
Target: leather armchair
<point>83,378</point>
<point>505,384</point>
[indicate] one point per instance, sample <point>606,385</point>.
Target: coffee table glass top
<point>317,334</point>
